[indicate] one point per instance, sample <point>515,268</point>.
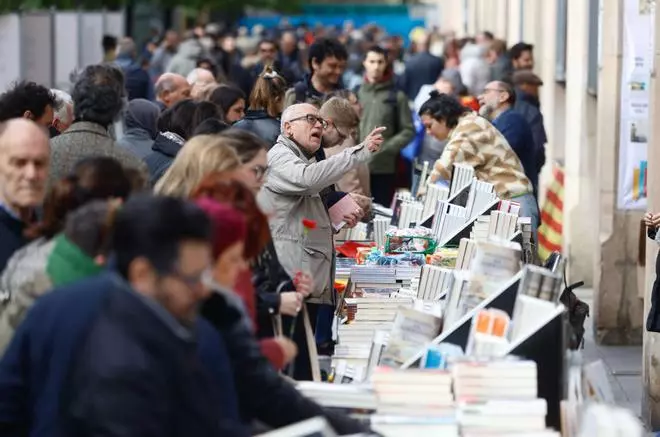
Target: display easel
<point>546,346</point>
<point>504,299</point>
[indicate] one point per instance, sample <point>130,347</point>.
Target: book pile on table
<point>480,197</point>
<point>498,397</point>
<point>434,282</point>
<point>467,248</point>
<point>447,220</point>
<point>413,402</point>
<point>434,193</point>
<point>343,268</point>
<point>355,339</point>
<point>461,177</point>
<point>349,398</point>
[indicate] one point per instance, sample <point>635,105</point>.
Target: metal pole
<point>521,27</point>
<point>53,50</point>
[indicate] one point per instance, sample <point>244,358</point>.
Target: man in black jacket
<point>138,370</point>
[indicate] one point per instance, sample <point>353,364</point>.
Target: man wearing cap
<point>528,105</point>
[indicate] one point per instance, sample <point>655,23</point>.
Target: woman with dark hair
<point>231,100</point>
<point>472,140</point>
<point>212,126</point>
<point>176,126</point>
<point>27,276</point>
<point>266,103</point>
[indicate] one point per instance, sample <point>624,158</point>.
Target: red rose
<point>309,224</point>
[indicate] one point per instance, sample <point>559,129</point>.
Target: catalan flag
<point>552,216</point>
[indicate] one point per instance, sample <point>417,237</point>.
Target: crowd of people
<point>154,255</point>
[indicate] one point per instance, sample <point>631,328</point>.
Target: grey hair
<point>127,47</point>
<point>290,113</point>
<point>166,84</point>
<point>64,100</point>
<point>98,95</point>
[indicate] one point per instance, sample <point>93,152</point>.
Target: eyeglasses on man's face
<point>312,120</point>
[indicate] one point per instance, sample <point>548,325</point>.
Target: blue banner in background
<point>394,19</point>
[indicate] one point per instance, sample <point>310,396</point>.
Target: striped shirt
<point>476,142</point>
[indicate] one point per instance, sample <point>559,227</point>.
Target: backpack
<point>390,100</point>
<point>577,310</point>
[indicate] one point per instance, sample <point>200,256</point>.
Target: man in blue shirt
<point>497,103</point>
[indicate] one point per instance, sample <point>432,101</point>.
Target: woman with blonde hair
<point>199,157</point>
<point>342,133</point>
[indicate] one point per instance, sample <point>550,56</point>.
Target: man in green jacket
<point>383,105</point>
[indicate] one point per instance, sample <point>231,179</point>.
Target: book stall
<point>446,327</point>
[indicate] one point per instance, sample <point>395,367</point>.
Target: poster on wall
<point>637,63</point>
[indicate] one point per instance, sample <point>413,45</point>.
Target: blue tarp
<point>397,23</point>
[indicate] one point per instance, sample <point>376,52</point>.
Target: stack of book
<point>381,226</point>
<point>368,274</point>
<point>411,215</point>
<point>489,334</point>
<point>499,398</point>
<point>367,315</point>
<point>447,220</point>
<point>503,418</point>
<point>434,282</point>
<point>343,268</point>
<point>537,301</point>
<point>497,225</point>
<point>377,309</point>
<point>434,194</point>
<point>462,176</point>
<point>540,283</point>
<point>413,402</point>
<point>459,301</point>
<point>494,379</point>
<point>350,398</point>
<point>467,248</point>
<point>356,233</point>
<point>399,200</point>
<point>480,198</point>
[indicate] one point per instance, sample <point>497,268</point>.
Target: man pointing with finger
<point>292,193</point>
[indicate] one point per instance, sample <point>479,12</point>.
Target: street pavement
<point>624,363</point>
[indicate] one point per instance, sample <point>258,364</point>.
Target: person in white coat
<point>292,193</point>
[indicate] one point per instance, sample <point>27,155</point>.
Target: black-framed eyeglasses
<point>312,120</point>
<point>260,171</point>
<point>191,281</point>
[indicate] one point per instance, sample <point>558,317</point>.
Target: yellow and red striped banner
<point>552,216</point>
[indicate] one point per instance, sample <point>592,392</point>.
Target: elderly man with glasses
<point>292,193</point>
<point>497,103</point>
